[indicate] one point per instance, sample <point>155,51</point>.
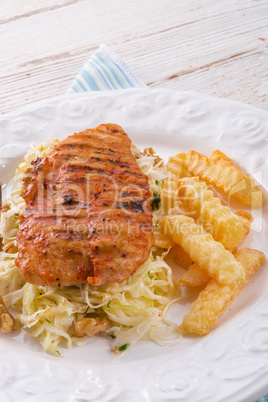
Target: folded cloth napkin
<point>106,71</point>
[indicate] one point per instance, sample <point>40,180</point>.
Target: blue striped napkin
<point>106,71</point>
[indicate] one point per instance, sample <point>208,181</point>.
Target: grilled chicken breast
<point>87,215</point>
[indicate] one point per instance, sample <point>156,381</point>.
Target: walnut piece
<point>7,322</point>
<point>151,152</point>
<point>5,208</point>
<point>91,326</point>
<point>10,248</point>
<point>115,350</point>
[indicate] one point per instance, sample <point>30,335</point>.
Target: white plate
<point>231,363</point>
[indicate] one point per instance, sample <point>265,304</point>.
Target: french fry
<point>214,299</point>
<point>195,276</point>
<point>218,220</point>
<point>256,198</point>
<point>219,263</point>
<point>162,240</point>
<point>181,257</point>
<point>223,174</point>
<point>175,171</point>
<point>246,219</point>
<point>219,157</point>
<point>176,167</point>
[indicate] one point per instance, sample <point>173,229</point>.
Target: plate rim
<point>57,99</point>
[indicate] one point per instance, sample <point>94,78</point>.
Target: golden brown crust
<point>87,215</point>
<point>220,171</point>
<point>215,298</point>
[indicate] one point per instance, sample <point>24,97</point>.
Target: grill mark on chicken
<point>94,222</point>
<point>76,167</point>
<point>71,150</point>
<point>76,147</point>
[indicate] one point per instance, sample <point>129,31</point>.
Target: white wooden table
<point>218,47</point>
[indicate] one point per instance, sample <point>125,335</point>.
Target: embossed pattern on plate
<point>231,363</point>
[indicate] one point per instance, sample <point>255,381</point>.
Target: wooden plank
<point>15,9</point>
<point>243,78</point>
<point>82,26</point>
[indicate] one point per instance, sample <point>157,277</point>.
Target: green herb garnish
<point>48,321</point>
<point>124,347</point>
<point>156,224</point>
<point>155,201</point>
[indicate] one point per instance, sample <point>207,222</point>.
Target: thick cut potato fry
<point>219,157</point>
<point>246,219</point>
<point>224,175</point>
<point>175,171</point>
<point>181,257</point>
<point>168,194</point>
<point>214,299</point>
<point>203,205</point>
<point>195,276</point>
<point>162,240</point>
<point>255,198</point>
<point>175,165</point>
<point>219,263</point>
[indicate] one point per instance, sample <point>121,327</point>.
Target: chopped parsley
<point>123,347</point>
<point>156,224</point>
<point>48,321</point>
<point>155,201</point>
<point>86,310</point>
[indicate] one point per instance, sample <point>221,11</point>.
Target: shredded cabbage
<point>137,307</point>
